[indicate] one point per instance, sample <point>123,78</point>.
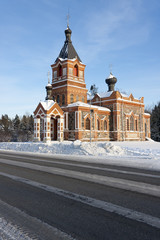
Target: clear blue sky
<point>124,33</point>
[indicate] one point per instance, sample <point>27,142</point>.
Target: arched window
<point>63,99</point>
<point>77,98</point>
<point>98,124</point>
<point>60,71</point>
<point>105,125</point>
<point>87,124</point>
<point>82,99</point>
<point>131,123</point>
<point>127,124</point>
<point>57,98</point>
<point>71,98</point>
<point>75,71</point>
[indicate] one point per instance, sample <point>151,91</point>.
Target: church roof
<point>82,104</point>
<point>47,104</point>
<point>68,51</point>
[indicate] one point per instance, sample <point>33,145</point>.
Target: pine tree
<point>155,123</point>
<point>5,128</point>
<point>16,128</point>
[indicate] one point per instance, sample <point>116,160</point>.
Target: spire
<point>111,81</point>
<point>68,51</point>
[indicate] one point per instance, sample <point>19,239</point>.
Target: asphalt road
<point>52,198</point>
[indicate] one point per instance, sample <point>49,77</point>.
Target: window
<point>63,99</point>
<point>136,125</point>
<point>70,71</point>
<point>60,71</point>
<point>81,74</point>
<point>131,123</point>
<point>82,99</point>
<point>55,74</point>
<point>71,98</point>
<point>127,124</point>
<point>105,125</point>
<point>87,124</point>
<point>75,71</point>
<point>98,124</point>
<point>57,98</point>
<point>53,98</point>
<point>64,71</point>
<point>77,98</point>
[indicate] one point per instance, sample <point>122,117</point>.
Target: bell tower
<point>68,83</point>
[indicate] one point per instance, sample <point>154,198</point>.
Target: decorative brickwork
<point>66,115</point>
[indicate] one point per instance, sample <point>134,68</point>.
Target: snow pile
<point>135,154</point>
<point>66,147</point>
<point>148,149</point>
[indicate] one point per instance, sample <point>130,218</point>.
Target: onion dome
<point>111,81</point>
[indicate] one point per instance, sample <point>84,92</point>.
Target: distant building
<point>66,114</point>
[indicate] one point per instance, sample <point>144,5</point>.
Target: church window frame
<point>60,70</point>
<point>71,98</point>
<point>82,98</point>
<point>64,71</point>
<point>63,99</point>
<point>88,123</point>
<point>105,125</point>
<point>81,74</point>
<point>58,98</point>
<point>75,70</point>
<point>55,74</point>
<point>70,71</point>
<point>136,125</point>
<point>98,125</point>
<point>77,98</point>
<point>132,123</point>
<point>127,124</point>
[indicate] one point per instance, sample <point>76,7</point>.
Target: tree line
<point>21,129</point>
<point>18,129</point>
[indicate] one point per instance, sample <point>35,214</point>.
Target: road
<point>44,197</point>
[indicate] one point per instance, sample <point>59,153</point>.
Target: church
<point>69,113</point>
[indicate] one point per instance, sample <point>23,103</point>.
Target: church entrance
<point>41,129</point>
<point>54,127</point>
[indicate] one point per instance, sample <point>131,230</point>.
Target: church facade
<point>68,113</point>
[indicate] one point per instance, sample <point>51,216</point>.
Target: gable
<point>55,110</point>
<point>39,110</point>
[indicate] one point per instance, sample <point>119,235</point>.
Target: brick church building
<point>66,114</point>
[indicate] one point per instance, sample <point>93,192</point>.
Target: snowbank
<point>136,154</point>
<point>66,147</point>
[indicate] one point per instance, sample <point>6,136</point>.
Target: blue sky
<point>124,33</point>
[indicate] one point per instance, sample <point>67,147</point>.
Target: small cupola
<point>68,33</point>
<point>49,89</point>
<point>111,81</point>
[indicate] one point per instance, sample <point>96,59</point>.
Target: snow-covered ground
<point>137,154</point>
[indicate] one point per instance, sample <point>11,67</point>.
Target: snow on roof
<point>82,104</point>
<point>124,95</point>
<point>73,59</point>
<point>49,85</point>
<point>105,94</point>
<point>110,76</point>
<point>147,114</point>
<point>47,104</point>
